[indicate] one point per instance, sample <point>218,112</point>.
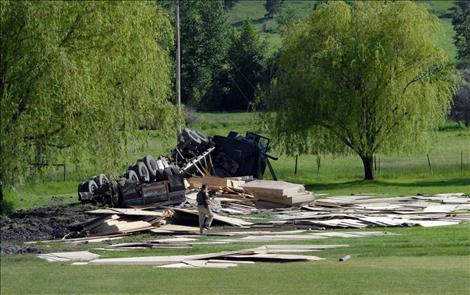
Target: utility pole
<point>178,65</point>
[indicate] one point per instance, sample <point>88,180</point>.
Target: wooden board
<point>126,211</point>
<point>225,219</point>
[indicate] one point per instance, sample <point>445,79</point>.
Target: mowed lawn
<point>417,261</point>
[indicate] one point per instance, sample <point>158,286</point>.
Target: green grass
<point>418,261</point>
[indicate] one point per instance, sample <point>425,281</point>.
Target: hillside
<point>254,12</point>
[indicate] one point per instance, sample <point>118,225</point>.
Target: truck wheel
<point>90,186</point>
<point>202,137</point>
<point>191,136</point>
<point>100,180</point>
<point>132,176</point>
<point>151,165</point>
<point>142,172</point>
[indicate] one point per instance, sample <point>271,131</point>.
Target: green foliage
<point>79,78</point>
<point>246,58</point>
<point>364,79</point>
<point>461,101</point>
<point>461,22</point>
<point>204,39</point>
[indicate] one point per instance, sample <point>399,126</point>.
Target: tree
<point>204,44</point>
<point>461,22</point>
<point>461,101</point>
<point>273,7</point>
<point>359,80</point>
<point>78,78</point>
<point>246,68</point>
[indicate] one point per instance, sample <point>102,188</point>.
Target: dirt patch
<point>44,223</point>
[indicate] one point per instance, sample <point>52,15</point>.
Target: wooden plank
<point>126,211</point>
<point>274,257</point>
<point>225,219</point>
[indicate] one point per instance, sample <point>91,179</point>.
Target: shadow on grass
<point>382,183</point>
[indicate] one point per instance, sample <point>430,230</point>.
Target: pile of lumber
<point>279,192</point>
<point>369,211</point>
<point>123,221</point>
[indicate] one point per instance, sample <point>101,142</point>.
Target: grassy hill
<point>254,11</point>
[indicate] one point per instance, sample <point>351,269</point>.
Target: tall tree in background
<point>273,7</point>
<point>461,101</point>
<point>246,63</point>
<point>78,78</point>
<point>461,22</point>
<point>358,80</point>
<point>204,44</point>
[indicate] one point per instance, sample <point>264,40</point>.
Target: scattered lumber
<point>278,192</point>
<point>69,256</point>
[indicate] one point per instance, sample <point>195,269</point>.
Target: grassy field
<point>417,261</point>
<point>254,12</point>
<point>398,175</point>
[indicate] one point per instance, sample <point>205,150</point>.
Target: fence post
<point>318,165</point>
<point>429,163</point>
<point>65,172</point>
<point>295,169</point>
<point>461,162</point>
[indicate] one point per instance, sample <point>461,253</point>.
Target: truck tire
<point>192,136</point>
<point>142,172</point>
<point>90,186</point>
<point>202,137</point>
<point>100,180</point>
<point>151,165</point>
<point>132,176</point>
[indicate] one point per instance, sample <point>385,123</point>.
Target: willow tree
<point>78,78</point>
<point>361,79</point>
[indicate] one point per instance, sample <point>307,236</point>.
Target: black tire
<point>142,172</point>
<point>159,176</point>
<point>202,137</point>
<point>192,136</point>
<point>132,176</point>
<point>100,179</point>
<point>90,186</point>
<point>151,165</point>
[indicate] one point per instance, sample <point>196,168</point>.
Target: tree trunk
<point>368,162</point>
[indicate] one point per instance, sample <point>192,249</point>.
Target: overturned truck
<point>161,181</point>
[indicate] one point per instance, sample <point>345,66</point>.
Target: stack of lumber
<point>280,192</point>
<point>367,211</point>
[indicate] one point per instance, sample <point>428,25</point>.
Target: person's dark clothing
<point>202,198</point>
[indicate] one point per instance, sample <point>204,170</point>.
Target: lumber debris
<point>278,192</point>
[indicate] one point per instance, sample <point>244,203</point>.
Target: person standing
<point>205,214</point>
